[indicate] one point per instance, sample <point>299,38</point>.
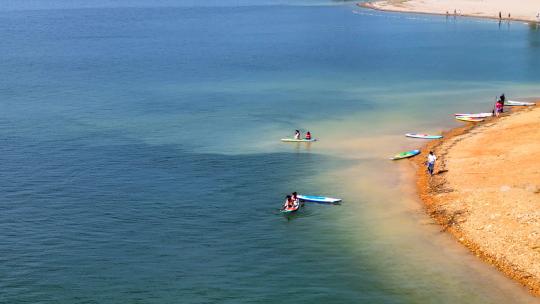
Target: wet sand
<point>486,191</point>
<point>524,10</point>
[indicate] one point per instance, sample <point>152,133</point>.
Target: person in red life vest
<point>308,135</point>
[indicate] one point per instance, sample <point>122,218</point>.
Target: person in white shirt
<point>431,162</point>
<point>297,134</point>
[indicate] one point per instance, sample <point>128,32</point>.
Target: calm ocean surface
<point>140,159</point>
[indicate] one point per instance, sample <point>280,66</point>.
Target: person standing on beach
<point>431,158</point>
<point>502,98</point>
<point>498,108</point>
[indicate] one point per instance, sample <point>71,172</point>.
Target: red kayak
<point>292,209</point>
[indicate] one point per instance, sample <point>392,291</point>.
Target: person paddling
<point>297,134</point>
<point>308,135</point>
<point>431,162</point>
<point>288,202</point>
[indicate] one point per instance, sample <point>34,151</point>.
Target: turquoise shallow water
<point>140,160</point>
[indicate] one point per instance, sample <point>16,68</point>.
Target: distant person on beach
<point>431,158</point>
<point>297,134</point>
<point>308,135</point>
<point>502,98</point>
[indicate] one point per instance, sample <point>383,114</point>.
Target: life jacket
<point>308,135</point>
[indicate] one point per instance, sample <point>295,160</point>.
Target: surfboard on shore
<point>406,154</point>
<point>474,115</point>
<point>469,119</point>
<point>518,103</point>
<point>423,136</point>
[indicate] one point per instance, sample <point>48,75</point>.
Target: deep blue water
<point>140,161</point>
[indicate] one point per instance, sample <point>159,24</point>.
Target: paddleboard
<point>319,199</point>
<point>405,154</point>
<point>469,119</point>
<point>474,115</point>
<point>518,103</point>
<point>424,136</point>
<point>298,140</point>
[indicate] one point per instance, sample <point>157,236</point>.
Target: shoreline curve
<point>456,208</point>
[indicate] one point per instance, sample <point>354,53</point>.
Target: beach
<point>523,10</point>
<point>486,191</point>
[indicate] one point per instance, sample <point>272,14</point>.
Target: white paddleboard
<point>474,115</point>
<point>469,119</point>
<point>518,103</point>
<point>423,136</point>
<point>298,140</point>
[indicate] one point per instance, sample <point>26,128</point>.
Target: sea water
<point>140,159</point>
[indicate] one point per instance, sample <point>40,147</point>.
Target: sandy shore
<point>522,10</point>
<point>486,191</point>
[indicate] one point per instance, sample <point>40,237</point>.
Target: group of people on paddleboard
<point>291,201</point>
<point>298,135</point>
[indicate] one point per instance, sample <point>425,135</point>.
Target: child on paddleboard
<point>308,135</point>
